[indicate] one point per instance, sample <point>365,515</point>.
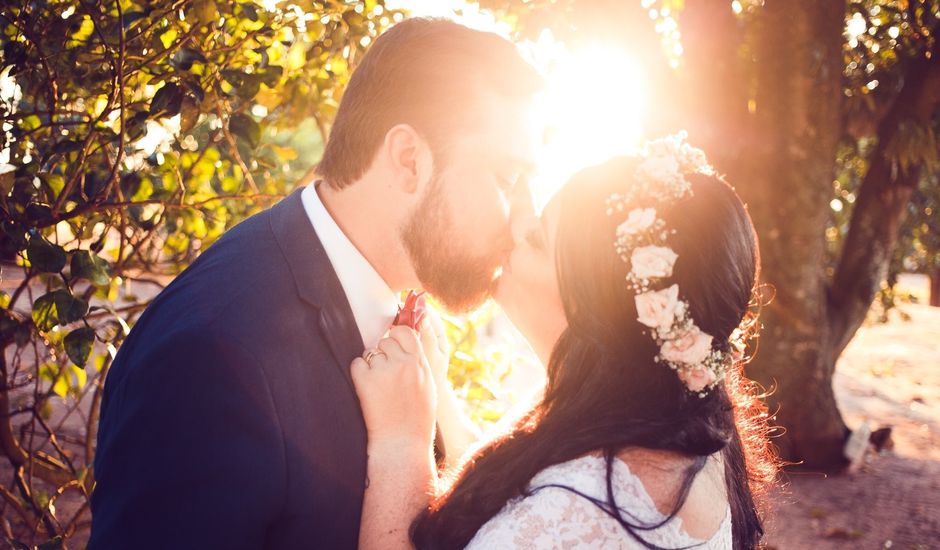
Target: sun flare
<point>592,109</point>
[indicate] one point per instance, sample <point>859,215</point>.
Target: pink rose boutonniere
<point>412,312</point>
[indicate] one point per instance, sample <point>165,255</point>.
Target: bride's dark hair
<point>605,392</point>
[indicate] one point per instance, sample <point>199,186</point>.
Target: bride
<point>635,289</point>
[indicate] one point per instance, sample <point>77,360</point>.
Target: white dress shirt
<point>373,303</point>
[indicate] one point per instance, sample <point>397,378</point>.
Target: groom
<point>229,420</point>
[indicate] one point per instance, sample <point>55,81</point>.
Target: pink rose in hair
<point>650,262</point>
<point>690,349</point>
<point>657,308</point>
<point>697,378</point>
<point>638,220</point>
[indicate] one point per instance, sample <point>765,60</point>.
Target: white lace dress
<point>557,518</point>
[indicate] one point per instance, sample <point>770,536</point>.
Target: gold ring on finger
<point>372,354</point>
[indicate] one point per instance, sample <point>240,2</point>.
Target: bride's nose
<point>523,226</point>
<point>522,217</point>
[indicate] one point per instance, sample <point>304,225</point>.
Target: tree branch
<point>881,205</point>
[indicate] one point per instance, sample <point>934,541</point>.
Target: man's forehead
<point>502,154</point>
<point>506,132</point>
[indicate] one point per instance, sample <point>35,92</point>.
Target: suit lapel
<point>316,281</point>
<point>319,286</point>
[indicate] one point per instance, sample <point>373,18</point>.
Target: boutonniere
<point>413,311</point>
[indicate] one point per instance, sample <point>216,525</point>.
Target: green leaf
<point>45,315</point>
<point>250,11</point>
<point>167,101</point>
<point>90,266</point>
<point>30,122</point>
<point>136,125</point>
<point>249,87</point>
<point>81,378</point>
<point>78,345</point>
<point>38,213</point>
<point>70,308</point>
<point>48,371</point>
<point>246,128</point>
<point>14,53</point>
<point>234,77</point>
<point>132,17</point>
<point>67,146</point>
<point>184,59</point>
<point>54,373</point>
<point>57,307</point>
<point>44,256</point>
<point>61,386</point>
<point>195,89</point>
<point>272,75</point>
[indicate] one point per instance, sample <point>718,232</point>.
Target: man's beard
<point>460,282</point>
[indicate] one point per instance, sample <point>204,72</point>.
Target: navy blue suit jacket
<point>229,419</point>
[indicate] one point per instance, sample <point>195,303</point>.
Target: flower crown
<point>641,244</point>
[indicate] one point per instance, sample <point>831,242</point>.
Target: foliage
<point>133,135</point>
<point>892,34</point>
<point>480,365</point>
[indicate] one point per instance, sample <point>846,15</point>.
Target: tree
<point>801,104</point>
<point>811,81</point>
<point>134,134</point>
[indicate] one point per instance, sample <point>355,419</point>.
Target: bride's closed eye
<point>535,237</point>
<point>508,182</point>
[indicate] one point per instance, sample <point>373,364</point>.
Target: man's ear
<point>405,153</point>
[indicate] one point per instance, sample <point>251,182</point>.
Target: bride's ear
<point>408,156</point>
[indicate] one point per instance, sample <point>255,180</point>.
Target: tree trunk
<point>935,287</point>
<point>786,179</point>
<point>714,77</point>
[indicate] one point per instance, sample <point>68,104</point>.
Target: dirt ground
<point>889,376</point>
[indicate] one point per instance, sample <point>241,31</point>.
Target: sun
<point>593,104</point>
<point>592,109</point>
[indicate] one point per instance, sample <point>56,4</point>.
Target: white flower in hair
<point>652,262</point>
<point>664,170</point>
<point>697,378</point>
<point>694,160</point>
<point>657,308</point>
<point>639,219</point>
<point>641,242</point>
<point>690,348</point>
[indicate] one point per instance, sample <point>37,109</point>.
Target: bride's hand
<point>458,431</point>
<point>397,392</point>
<point>436,348</point>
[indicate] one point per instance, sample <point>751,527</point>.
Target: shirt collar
<point>374,305</point>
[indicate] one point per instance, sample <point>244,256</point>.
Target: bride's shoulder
<point>661,473</point>
<point>562,507</point>
<point>556,512</point>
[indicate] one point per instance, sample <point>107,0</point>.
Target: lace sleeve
<point>551,518</point>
